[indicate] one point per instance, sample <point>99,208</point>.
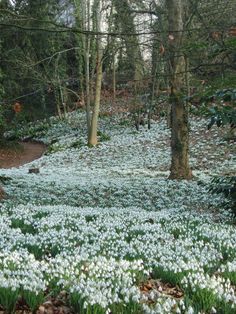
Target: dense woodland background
<point>117,156</point>
<point>145,55</point>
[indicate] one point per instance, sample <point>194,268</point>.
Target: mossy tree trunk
<point>180,168</point>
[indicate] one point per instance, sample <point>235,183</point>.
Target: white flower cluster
<point>20,270</point>
<point>130,169</point>
<point>96,220</point>
<point>100,248</point>
<point>165,305</point>
<point>99,280</point>
<point>106,281</point>
<point>229,267</point>
<point>221,287</point>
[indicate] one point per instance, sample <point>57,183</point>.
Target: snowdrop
<point>96,228</point>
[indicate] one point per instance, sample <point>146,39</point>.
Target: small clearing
<point>18,156</point>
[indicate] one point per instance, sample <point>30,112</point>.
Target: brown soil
<point>25,153</point>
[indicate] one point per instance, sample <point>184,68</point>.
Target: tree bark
<point>113,77</point>
<point>127,25</point>
<point>93,140</point>
<point>94,123</point>
<point>180,168</point>
<point>2,193</point>
<point>87,70</point>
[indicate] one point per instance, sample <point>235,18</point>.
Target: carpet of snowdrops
<point>100,223</point>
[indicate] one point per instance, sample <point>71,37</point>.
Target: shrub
<point>227,186</point>
<point>224,112</point>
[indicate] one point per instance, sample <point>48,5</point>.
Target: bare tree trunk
<point>87,91</point>
<point>87,70</point>
<point>127,25</point>
<point>83,22</point>
<point>113,76</point>
<point>179,113</point>
<point>187,77</point>
<point>58,102</point>
<point>94,123</point>
<point>58,89</point>
<point>62,97</point>
<point>2,193</point>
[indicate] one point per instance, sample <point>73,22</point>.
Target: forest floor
<point>102,230</point>
<point>20,154</point>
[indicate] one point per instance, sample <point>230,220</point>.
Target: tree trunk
<point>2,193</point>
<point>127,25</point>
<point>113,77</point>
<point>179,113</point>
<point>83,22</point>
<point>94,123</point>
<point>87,71</point>
<point>87,89</point>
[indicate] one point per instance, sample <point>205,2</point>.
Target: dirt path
<point>17,157</point>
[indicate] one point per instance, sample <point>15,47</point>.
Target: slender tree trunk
<point>62,98</point>
<point>94,123</point>
<point>113,76</point>
<point>151,102</point>
<point>87,71</point>
<point>179,120</point>
<point>58,89</point>
<point>187,77</point>
<point>83,22</point>
<point>2,193</point>
<point>87,89</point>
<point>58,101</point>
<point>93,140</point>
<point>127,25</point>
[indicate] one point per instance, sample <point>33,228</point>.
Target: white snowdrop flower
<point>190,310</point>
<point>85,305</point>
<point>147,228</point>
<point>160,288</point>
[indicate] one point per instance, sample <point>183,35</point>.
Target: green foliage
<point>219,91</point>
<point>26,66</point>
<point>33,300</point>
<point>79,305</point>
<point>1,82</point>
<point>201,299</point>
<point>76,302</point>
<point>8,299</point>
<point>77,144</point>
<point>21,130</point>
<point>37,251</point>
<point>1,75</point>
<point>125,123</point>
<point>224,112</point>
<point>167,276</point>
<point>231,275</point>
<point>4,179</point>
<point>103,137</point>
<point>222,116</point>
<point>57,147</point>
<point>25,228</point>
<point>51,149</point>
<point>2,122</point>
<point>224,308</point>
<point>227,186</point>
<point>230,43</point>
